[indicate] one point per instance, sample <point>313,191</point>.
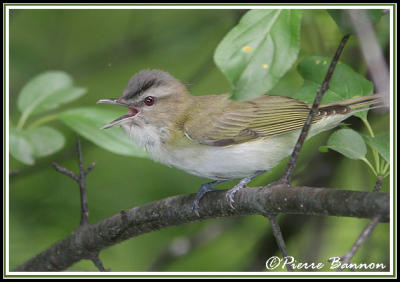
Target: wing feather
<point>235,122</point>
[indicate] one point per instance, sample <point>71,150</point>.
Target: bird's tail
<point>354,105</point>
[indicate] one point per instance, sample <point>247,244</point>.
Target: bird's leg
<point>231,193</point>
<point>207,187</point>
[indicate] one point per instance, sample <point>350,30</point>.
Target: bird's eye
<point>149,100</point>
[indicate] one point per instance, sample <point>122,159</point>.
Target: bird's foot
<point>205,188</point>
<point>230,194</point>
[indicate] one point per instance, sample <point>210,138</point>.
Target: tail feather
<point>356,104</point>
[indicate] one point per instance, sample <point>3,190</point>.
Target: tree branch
<point>378,184</point>
<point>287,174</point>
<point>177,210</point>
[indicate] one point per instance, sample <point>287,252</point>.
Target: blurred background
<point>102,49</point>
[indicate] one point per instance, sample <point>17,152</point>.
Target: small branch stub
<point>276,230</point>
<point>81,180</point>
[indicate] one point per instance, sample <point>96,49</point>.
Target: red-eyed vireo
<point>215,137</point>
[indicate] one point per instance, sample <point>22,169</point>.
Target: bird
<point>215,137</point>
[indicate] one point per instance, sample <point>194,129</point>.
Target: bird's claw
<point>205,188</point>
<point>230,194</point>
<point>230,197</point>
<point>243,183</point>
<point>195,207</point>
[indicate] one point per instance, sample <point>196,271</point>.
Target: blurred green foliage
<point>87,121</point>
<point>343,20</point>
<point>102,49</point>
<point>43,93</point>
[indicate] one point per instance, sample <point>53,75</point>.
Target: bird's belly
<point>229,162</point>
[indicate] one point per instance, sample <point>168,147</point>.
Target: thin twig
<point>285,179</point>
<point>82,186</point>
<point>378,184</point>
<point>97,262</point>
<point>366,232</point>
<point>286,176</point>
<point>66,172</point>
<point>43,164</point>
<point>372,52</point>
<point>81,180</point>
<point>89,168</point>
<point>276,230</point>
<point>379,72</point>
<point>263,249</point>
<point>360,240</point>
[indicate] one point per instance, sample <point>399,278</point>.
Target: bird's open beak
<point>114,101</point>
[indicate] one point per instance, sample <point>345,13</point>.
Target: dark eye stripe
<point>148,84</point>
<point>145,86</point>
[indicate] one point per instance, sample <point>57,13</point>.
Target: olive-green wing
<point>236,122</point>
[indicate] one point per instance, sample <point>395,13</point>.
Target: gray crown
<point>145,80</point>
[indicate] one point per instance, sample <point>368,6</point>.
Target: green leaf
<point>38,89</point>
<point>344,84</point>
<point>20,148</point>
<point>257,52</point>
<point>323,149</point>
<point>342,18</point>
<point>44,140</point>
<point>381,143</point>
<point>26,145</point>
<point>349,143</point>
<point>59,97</point>
<point>87,122</point>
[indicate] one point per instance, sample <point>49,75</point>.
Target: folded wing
<point>237,122</point>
